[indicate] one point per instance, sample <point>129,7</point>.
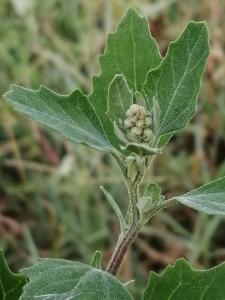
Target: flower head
<point>138,124</point>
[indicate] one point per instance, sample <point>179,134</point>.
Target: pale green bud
<point>127,124</point>
<point>140,124</point>
<point>148,121</point>
<point>136,131</point>
<point>147,134</point>
<point>131,168</point>
<point>136,110</point>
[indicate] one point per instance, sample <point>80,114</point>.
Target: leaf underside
<point>11,284</point>
<point>58,279</point>
<point>181,281</point>
<point>209,198</point>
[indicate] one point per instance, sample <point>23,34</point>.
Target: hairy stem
<point>132,188</point>
<point>126,239</point>
<point>121,248</point>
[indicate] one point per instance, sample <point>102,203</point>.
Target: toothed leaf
<point>73,115</point>
<point>11,285</point>
<point>181,281</point>
<point>62,279</point>
<point>175,83</point>
<point>130,51</point>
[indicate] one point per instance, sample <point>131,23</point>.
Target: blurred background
<point>50,201</point>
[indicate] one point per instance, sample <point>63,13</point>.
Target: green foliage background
<point>50,201</point>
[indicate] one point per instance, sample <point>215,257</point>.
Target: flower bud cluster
<point>138,124</point>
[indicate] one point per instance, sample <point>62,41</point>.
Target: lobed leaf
<point>58,279</point>
<point>11,284</point>
<point>181,281</point>
<point>209,198</point>
<point>176,82</point>
<point>73,115</point>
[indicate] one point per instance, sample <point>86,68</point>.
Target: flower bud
<point>140,124</point>
<point>131,168</point>
<point>127,124</point>
<point>147,134</point>
<point>136,131</point>
<point>136,110</point>
<point>148,121</point>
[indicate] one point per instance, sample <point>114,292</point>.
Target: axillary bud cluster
<point>138,124</point>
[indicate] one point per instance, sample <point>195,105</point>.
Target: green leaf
<point>132,168</point>
<point>144,205</point>
<point>153,191</point>
<point>163,140</point>
<point>149,201</point>
<point>181,282</point>
<point>72,115</point>
<point>120,99</point>
<point>176,82</point>
<point>140,149</point>
<point>209,198</point>
<point>116,209</point>
<point>97,260</point>
<point>62,279</point>
<point>130,51</point>
<point>11,285</point>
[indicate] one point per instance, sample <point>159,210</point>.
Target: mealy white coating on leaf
<point>181,281</point>
<point>62,280</point>
<point>175,83</point>
<point>120,98</point>
<point>130,51</point>
<point>73,116</point>
<point>209,198</point>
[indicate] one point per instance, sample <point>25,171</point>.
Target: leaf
<point>153,191</point>
<point>148,202</point>
<point>182,282</point>
<point>209,198</point>
<point>132,168</point>
<point>163,140</point>
<point>144,205</point>
<point>140,149</point>
<point>72,115</point>
<point>176,82</point>
<point>97,260</point>
<point>130,51</point>
<point>62,279</point>
<point>116,209</point>
<point>120,98</point>
<point>11,285</point>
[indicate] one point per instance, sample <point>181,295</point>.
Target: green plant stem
<point>128,237</point>
<point>132,188</point>
<point>121,248</point>
<point>125,241</point>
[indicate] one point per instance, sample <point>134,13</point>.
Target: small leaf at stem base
<point>97,260</point>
